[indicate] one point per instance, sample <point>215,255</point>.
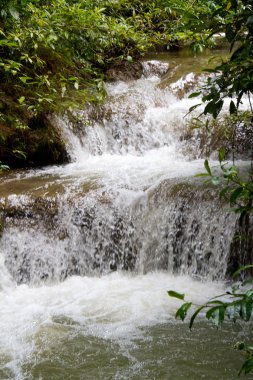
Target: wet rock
<point>154,68</point>
<point>185,85</point>
<point>38,144</point>
<point>124,71</point>
<point>177,226</point>
<point>29,211</point>
<point>241,246</point>
<point>235,136</point>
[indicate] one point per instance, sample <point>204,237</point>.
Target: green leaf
<point>194,95</point>
<point>207,125</point>
<point>215,180</point>
<point>174,294</point>
<point>235,194</point>
<point>218,108</point>
<point>222,153</point>
<point>231,172</point>
<point>234,310</point>
<point>247,366</point>
<point>202,175</point>
<point>229,5</point>
<point>21,99</point>
<point>182,311</point>
<point>19,153</point>
<point>217,315</point>
<point>250,266</point>
<point>232,108</point>
<point>207,167</point>
<point>194,107</point>
<point>218,296</point>
<point>24,79</point>
<point>4,167</point>
<point>214,108</point>
<point>195,314</point>
<point>249,293</point>
<point>5,42</point>
<point>210,108</point>
<point>14,13</point>
<point>246,310</point>
<point>217,302</point>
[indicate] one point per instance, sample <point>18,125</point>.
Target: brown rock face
<point>39,143</point>
<point>124,71</point>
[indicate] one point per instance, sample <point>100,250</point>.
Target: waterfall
<point>89,249</point>
<point>174,226</point>
<point>127,201</point>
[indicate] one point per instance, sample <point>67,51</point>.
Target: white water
<point>135,143</point>
<point>126,155</point>
<point>115,307</point>
<point>139,117</point>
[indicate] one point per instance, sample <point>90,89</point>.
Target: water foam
<point>114,307</point>
<point>125,158</point>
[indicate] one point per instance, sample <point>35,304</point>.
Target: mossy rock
<point>235,135</point>
<point>44,144</point>
<point>37,142</point>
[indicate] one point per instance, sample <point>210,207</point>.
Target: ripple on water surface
<point>114,327</point>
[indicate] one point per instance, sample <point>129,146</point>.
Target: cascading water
<point>121,224</point>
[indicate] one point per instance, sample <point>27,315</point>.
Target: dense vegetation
<point>232,79</point>
<point>55,54</point>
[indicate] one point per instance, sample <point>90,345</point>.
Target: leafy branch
<point>237,191</point>
<point>233,305</point>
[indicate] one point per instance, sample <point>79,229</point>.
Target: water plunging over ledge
<point>121,224</point>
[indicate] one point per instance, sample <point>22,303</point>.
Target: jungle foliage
<point>61,49</point>
<point>54,54</point>
<point>232,78</point>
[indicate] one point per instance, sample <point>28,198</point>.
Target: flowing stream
<point>89,249</point>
